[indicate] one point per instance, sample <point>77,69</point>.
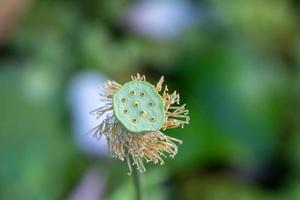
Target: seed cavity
<point>134,120</point>
<point>143,93</point>
<point>153,119</point>
<point>132,92</point>
<point>136,103</point>
<point>124,100</point>
<point>143,113</point>
<point>125,111</point>
<point>151,103</point>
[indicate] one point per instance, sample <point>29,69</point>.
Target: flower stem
<point>137,184</point>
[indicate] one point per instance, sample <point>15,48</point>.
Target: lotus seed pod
<point>136,113</point>
<point>141,98</point>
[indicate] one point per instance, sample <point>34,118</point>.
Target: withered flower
<point>135,114</point>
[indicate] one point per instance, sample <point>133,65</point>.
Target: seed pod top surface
<point>138,107</point>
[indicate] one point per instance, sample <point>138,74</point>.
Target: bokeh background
<point>235,63</point>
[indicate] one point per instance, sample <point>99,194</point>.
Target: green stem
<point>137,184</point>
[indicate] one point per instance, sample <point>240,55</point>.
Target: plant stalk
<point>137,184</point>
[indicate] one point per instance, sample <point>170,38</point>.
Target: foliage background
<point>235,63</point>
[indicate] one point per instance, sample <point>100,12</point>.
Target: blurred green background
<point>235,63</point>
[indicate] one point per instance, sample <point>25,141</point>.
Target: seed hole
<point>153,119</point>
<point>132,93</point>
<point>125,111</point>
<point>124,100</point>
<point>136,103</point>
<point>143,113</point>
<point>151,103</point>
<point>143,93</point>
<point>134,120</point>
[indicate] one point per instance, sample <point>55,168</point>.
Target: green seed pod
<point>139,107</point>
